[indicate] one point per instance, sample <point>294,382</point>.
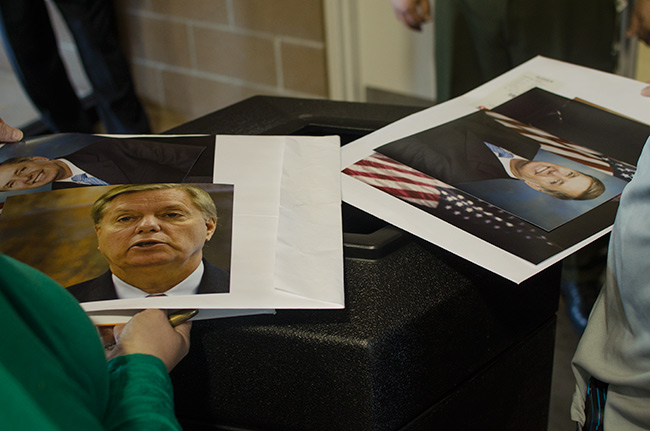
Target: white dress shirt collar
<point>505,161</point>
<point>189,286</point>
<point>75,170</point>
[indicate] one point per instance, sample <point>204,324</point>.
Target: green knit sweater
<point>53,373</point>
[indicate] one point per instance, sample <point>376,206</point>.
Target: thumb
<point>184,331</point>
<point>633,27</point>
<point>8,133</point>
<point>117,330</point>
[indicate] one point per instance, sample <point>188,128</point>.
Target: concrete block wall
<point>192,57</point>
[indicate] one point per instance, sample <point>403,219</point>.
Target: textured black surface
<point>423,332</point>
<point>486,401</point>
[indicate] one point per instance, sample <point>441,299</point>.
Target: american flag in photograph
<point>446,202</point>
<point>564,148</point>
<point>471,211</point>
<point>397,179</point>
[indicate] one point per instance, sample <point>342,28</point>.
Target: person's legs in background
<point>94,28</point>
<point>476,40</point>
<point>32,49</point>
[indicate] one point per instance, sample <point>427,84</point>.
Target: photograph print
<point>125,241</point>
<point>523,189</point>
<point>70,160</point>
<point>497,164</point>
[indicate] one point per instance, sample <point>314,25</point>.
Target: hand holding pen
<point>151,332</point>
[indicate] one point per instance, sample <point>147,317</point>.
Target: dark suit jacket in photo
<point>580,123</point>
<point>214,280</point>
<point>133,161</point>
<point>456,153</point>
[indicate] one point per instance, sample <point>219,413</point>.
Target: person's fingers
<point>641,32</point>
<point>414,18</point>
<point>646,91</point>
<point>117,331</point>
<point>106,334</point>
<point>412,13</point>
<point>149,332</point>
<point>633,26</point>
<point>639,25</point>
<point>644,36</point>
<point>411,23</point>
<point>184,330</point>
<point>8,133</point>
<point>425,10</point>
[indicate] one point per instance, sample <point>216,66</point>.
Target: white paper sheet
<point>309,254</point>
<point>287,247</point>
<point>616,93</point>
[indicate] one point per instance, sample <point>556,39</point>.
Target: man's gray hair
<point>199,197</point>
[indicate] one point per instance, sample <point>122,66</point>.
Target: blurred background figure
<point>176,54</point>
<point>32,49</point>
<point>477,40</point>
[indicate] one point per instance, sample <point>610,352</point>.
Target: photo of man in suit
<point>152,237</point>
<point>106,161</point>
<point>477,148</point>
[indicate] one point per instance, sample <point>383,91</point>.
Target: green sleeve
<point>141,395</point>
<point>52,364</point>
<point>53,372</point>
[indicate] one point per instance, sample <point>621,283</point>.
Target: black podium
<point>427,341</point>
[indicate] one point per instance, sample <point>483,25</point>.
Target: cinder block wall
<point>191,57</point>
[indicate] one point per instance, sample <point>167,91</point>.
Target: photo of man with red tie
<point>152,237</point>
